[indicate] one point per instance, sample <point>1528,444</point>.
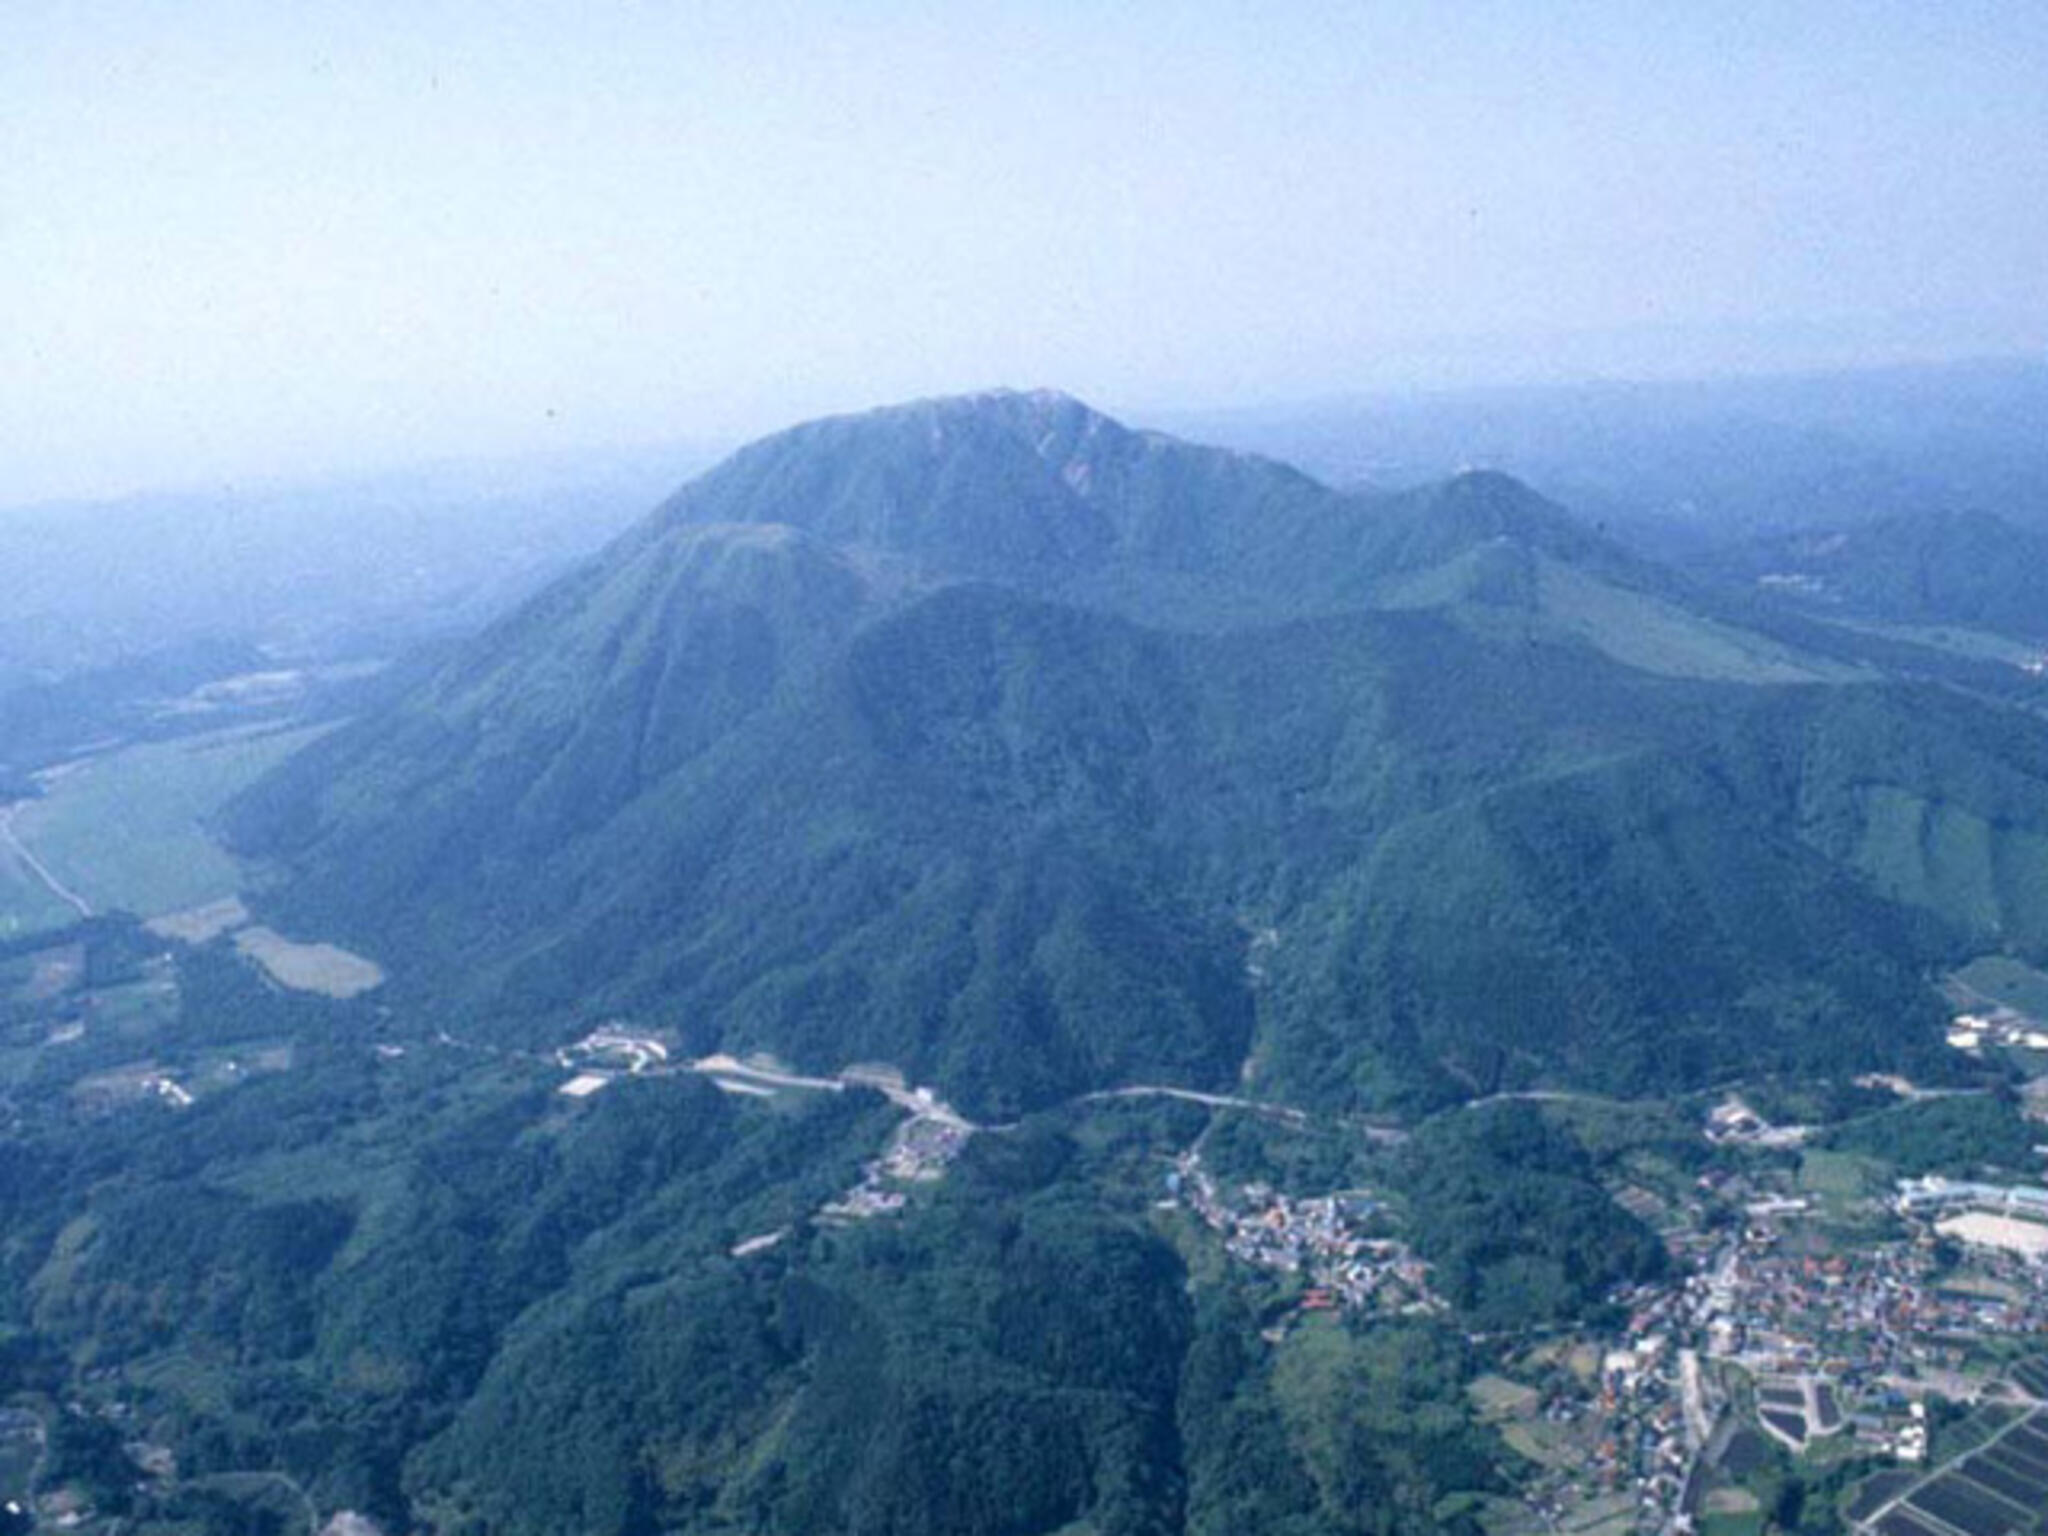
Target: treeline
<point>1958,1136</point>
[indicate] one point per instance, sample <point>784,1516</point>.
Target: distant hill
<point>986,736</point>
<point>349,566</point>
<point>1959,568</point>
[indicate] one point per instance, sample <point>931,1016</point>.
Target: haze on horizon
<point>240,239</point>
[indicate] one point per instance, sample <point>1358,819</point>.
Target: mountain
<point>1034,754</point>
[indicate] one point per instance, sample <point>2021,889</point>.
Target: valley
<point>125,827</point>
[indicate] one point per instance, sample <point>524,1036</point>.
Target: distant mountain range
<point>350,566</point>
<point>1033,754</point>
<point>1686,464</point>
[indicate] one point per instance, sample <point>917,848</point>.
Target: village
<point>1781,1328</point>
<point>1324,1240</point>
<point>1796,1323</point>
<point>918,1153</point>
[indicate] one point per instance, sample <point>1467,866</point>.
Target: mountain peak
<point>973,485</point>
<point>1058,428</point>
<point>1478,505</point>
<point>1025,412</point>
<point>1027,485</point>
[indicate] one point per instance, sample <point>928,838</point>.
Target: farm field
<point>1999,1488</point>
<point>126,830</point>
<point>322,968</point>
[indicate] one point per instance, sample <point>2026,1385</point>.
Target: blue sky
<point>248,239</point>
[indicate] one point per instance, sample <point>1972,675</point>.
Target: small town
<point>1780,1332</point>
<point>1793,1324</point>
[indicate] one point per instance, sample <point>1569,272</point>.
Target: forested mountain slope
<point>986,737</point>
<point>1929,568</point>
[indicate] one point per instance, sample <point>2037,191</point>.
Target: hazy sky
<point>271,237</point>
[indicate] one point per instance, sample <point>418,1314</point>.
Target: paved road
<point>768,1077</point>
<point>1697,1425</point>
<point>923,1104</point>
<point>1543,1096</point>
<point>1190,1096</point>
<point>58,888</point>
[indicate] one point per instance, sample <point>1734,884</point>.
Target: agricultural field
<point>1997,1488</point>
<point>127,829</point>
<point>2033,1376</point>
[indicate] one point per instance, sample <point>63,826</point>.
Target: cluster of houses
<point>1643,1446</point>
<point>106,1092</point>
<point>1323,1239</point>
<point>1733,1123</point>
<point>1973,1032</point>
<point>1636,1460</point>
<point>919,1152</point>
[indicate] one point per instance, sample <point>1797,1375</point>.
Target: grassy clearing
<point>135,1010</point>
<point>2005,980</point>
<point>47,973</point>
<point>198,925</point>
<point>127,829</point>
<point>323,968</point>
<point>1612,1515</point>
<point>1509,1517</point>
<point>1655,636</point>
<point>1498,1398</point>
<point>1547,1444</point>
<point>1732,1501</point>
<point>1839,1180</point>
